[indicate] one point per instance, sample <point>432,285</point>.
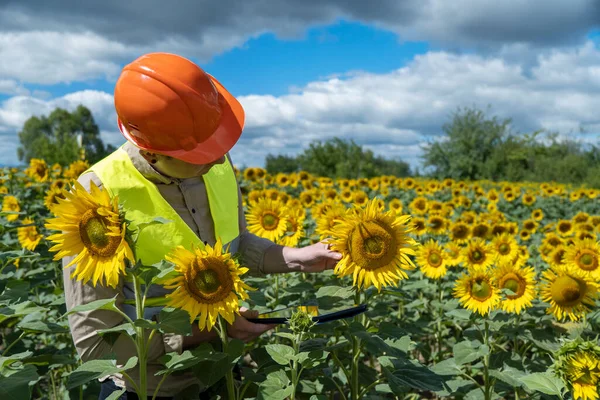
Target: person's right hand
<point>245,330</point>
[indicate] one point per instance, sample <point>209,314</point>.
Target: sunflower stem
<point>225,340</point>
<point>438,332</point>
<point>354,386</point>
<point>486,363</point>
<point>140,339</point>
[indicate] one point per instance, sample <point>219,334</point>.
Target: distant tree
<point>338,158</point>
<point>54,138</point>
<point>280,163</point>
<point>469,142</point>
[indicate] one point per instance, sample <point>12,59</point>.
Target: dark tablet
<point>281,316</point>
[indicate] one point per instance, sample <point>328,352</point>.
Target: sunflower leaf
<point>94,369</point>
<point>545,382</point>
<point>174,320</point>
<point>102,304</point>
<point>18,385</point>
<point>335,291</point>
<point>281,353</point>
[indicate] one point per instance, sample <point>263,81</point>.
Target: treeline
<point>337,158</point>
<point>473,146</point>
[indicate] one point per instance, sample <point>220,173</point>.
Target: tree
<point>470,141</point>
<point>338,158</point>
<point>55,138</point>
<point>281,163</point>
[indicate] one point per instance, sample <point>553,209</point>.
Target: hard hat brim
<point>219,143</point>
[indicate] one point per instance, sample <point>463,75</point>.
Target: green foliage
<point>54,138</point>
<point>476,147</point>
<point>337,158</point>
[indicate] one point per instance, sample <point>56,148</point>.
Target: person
<point>179,123</point>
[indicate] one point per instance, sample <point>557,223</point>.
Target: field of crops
<point>475,290</point>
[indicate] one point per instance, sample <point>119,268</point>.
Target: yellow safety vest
<point>142,203</point>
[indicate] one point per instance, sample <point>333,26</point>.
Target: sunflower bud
<point>578,364</point>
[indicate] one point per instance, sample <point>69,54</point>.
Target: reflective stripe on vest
<point>142,203</point>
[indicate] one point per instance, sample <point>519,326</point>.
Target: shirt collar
<point>145,168</point>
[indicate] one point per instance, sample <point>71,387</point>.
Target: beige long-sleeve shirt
<point>188,197</point>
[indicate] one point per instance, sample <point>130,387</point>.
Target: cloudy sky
<point>386,73</point>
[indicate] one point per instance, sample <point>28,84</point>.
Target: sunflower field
<point>474,290</point>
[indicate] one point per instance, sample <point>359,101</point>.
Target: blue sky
<point>388,78</point>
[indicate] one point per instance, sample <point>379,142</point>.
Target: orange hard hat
<point>167,104</point>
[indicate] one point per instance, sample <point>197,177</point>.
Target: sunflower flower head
<point>431,258</point>
<point>569,294</point>
<point>267,218</point>
<point>93,231</point>
<point>584,255</point>
<point>207,284</point>
<point>28,235</point>
<point>375,246</point>
<point>519,283</point>
<point>476,291</point>
<point>577,362</point>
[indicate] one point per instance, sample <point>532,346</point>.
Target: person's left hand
<point>314,258</point>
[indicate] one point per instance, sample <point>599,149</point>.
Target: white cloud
<point>392,113</point>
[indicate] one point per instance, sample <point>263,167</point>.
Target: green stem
<point>140,338</point>
<point>5,352</point>
<point>225,340</point>
<point>371,386</point>
<point>438,332</point>
<point>354,385</point>
<point>159,385</point>
<point>340,365</point>
<point>486,364</point>
<point>294,366</point>
<point>53,383</point>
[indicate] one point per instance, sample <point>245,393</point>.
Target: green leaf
<point>545,382</point>
<point>312,358</point>
<point>460,314</point>
<point>414,376</point>
<point>13,358</point>
<point>447,367</point>
<point>175,320</point>
<point>115,395</point>
<point>19,310</point>
<point>15,291</point>
<point>176,362</point>
<point>144,323</point>
<point>17,386</point>
<point>335,291</point>
<point>103,304</point>
<point>40,326</point>
<point>111,335</point>
<point>275,387</point>
<point>508,375</point>
<point>211,368</point>
<point>466,351</point>
<point>280,353</point>
<point>95,369</point>
<point>286,335</point>
<point>235,349</point>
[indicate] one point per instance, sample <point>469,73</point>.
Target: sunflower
<point>468,217</point>
<point>481,230</point>
<point>530,225</point>
<point>595,220</point>
<point>360,198</point>
<point>420,226</point>
<point>568,293</point>
<point>584,256</point>
<point>519,280</point>
<point>460,232</point>
<point>556,256</point>
<point>505,247</point>
<point>509,196</point>
<point>475,290</point>
<point>537,214</point>
<point>272,194</point>
<point>452,250</point>
<point>330,194</point>
<point>38,170</point>
<point>75,169</point>
<point>577,362</point>
<point>282,179</point>
<point>582,235</point>
<point>436,225</point>
<point>260,173</point>
<point>528,199</point>
<point>419,205</point>
<point>525,235</point>
<point>432,259</point>
<point>409,183</point>
<point>396,205</point>
<point>93,231</point>
<point>478,254</point>
<point>584,227</point>
<point>208,284</point>
<point>581,217</point>
<point>375,246</point>
<point>255,195</point>
<point>492,207</point>
<point>29,237</point>
<point>294,230</point>
<point>303,176</point>
<point>565,227</point>
<point>435,207</point>
<point>346,195</point>
<point>328,219</point>
<point>308,198</point>
<point>552,240</point>
<point>267,218</point>
<point>11,204</point>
